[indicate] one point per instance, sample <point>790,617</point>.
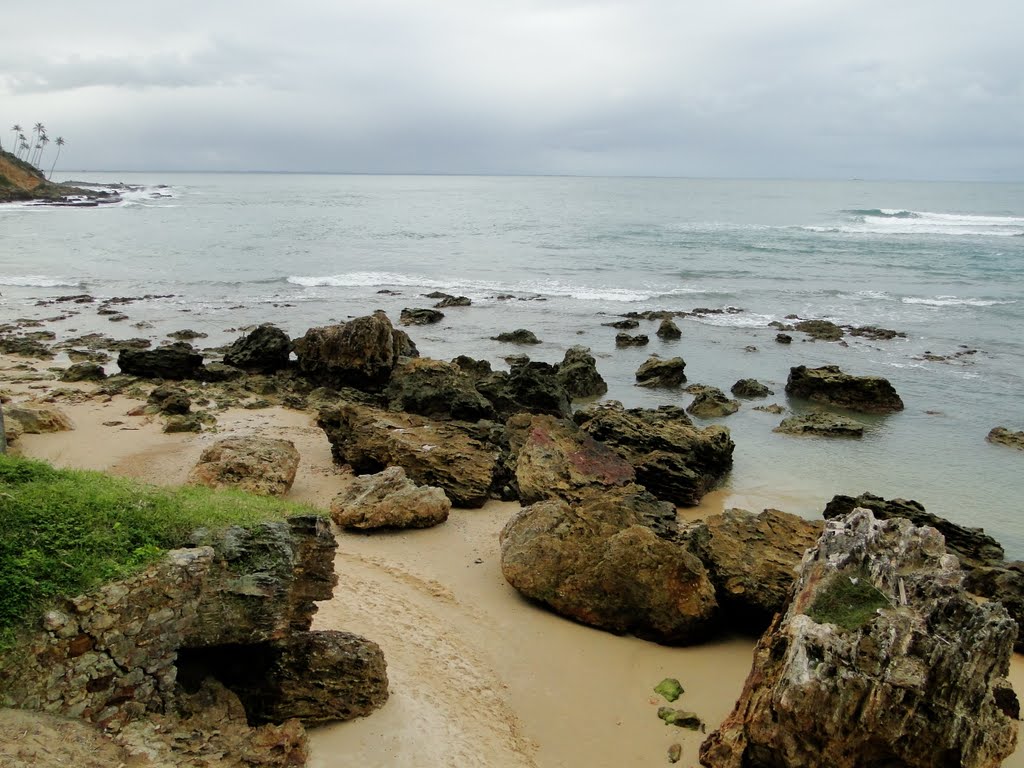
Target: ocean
<point>941,262</point>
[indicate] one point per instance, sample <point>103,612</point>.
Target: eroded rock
<point>578,374</point>
<point>260,465</point>
<point>828,384</point>
<point>436,389</point>
<point>389,499</point>
<point>711,403</point>
<point>361,353</point>
<point>264,350</point>
<point>657,372</point>
<point>1003,436</point>
<point>174,361</point>
<point>821,425</point>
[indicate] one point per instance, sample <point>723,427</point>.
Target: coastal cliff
<point>23,182</point>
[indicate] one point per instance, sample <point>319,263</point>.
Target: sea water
<point>941,262</point>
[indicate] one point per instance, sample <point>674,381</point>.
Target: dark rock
<point>822,330</point>
<point>188,422</point>
<point>436,389</point>
<point>750,388</point>
<point>475,369</point>
<point>175,361</point>
<point>438,295</point>
<point>711,403</point>
<point>772,408</point>
<point>821,425</point>
<point>170,400</point>
<point>681,718</point>
<point>828,384</point>
<point>519,336</point>
<point>186,334</point>
<point>875,333</point>
<point>578,374</point>
<point>83,372</point>
<point>669,330</point>
<point>625,340</point>
<point>413,316</point>
<point>215,372</point>
<point>531,387</point>
<point>1003,583</point>
<point>623,325</point>
<point>1003,436</point>
<point>361,354</point>
<point>453,301</point>
<point>264,350</point>
<point>783,338</point>
<point>656,372</point>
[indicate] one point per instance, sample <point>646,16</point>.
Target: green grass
<point>63,532</point>
<point>850,604</point>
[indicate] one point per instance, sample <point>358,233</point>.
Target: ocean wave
<point>39,281</point>
<point>893,221</point>
<point>739,320</point>
<point>954,301</point>
<point>885,213</point>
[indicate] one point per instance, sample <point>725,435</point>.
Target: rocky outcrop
<point>389,499</point>
<point>880,659</point>
<point>823,330</point>
<point>627,340</point>
<point>711,403</point>
<point>84,371</point>
<point>361,353</point>
<point>820,425</point>
<point>419,316</point>
<point>170,400</point>
<point>750,388</point>
<point>656,372</point>
<point>597,562</point>
<point>453,301</point>
<point>752,561</point>
<point>518,336</point>
<point>35,419</point>
<point>442,454</point>
<point>265,350</point>
<point>1004,583</point>
<point>436,389</point>
<point>668,330</point>
<point>260,465</point>
<point>783,338</point>
<point>174,361</point>
<point>673,459</point>
<point>531,387</point>
<point>578,374</point>
<point>828,384</point>
<point>1003,436</point>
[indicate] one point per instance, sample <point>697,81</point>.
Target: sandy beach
<point>478,676</point>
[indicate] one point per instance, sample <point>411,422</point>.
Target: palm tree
<point>24,146</point>
<point>60,143</point>
<point>17,130</point>
<point>43,141</point>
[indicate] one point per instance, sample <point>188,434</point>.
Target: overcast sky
<point>734,88</point>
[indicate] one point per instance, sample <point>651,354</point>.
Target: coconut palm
<point>60,143</point>
<point>24,146</point>
<point>17,130</point>
<point>43,141</point>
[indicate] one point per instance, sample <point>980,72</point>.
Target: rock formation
<point>626,340</point>
<point>35,419</point>
<point>264,350</point>
<point>750,388</point>
<point>821,425</point>
<point>824,330</point>
<point>828,384</point>
<point>1003,436</point>
<point>657,372</point>
<point>416,316</point>
<point>529,386</point>
<point>436,389</point>
<point>85,371</point>
<point>518,336</point>
<point>578,374</point>
<point>668,330</point>
<point>260,465</point>
<point>389,499</point>
<point>175,361</point>
<point>711,403</point>
<point>170,400</point>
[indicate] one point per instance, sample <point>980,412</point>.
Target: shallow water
<point>942,262</point>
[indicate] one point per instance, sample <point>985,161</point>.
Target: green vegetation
<point>669,688</point>
<point>849,601</point>
<point>63,532</point>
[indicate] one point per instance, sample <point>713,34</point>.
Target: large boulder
<point>174,361</point>
<point>436,389</point>
<point>361,353</point>
<point>260,465</point>
<point>675,460</point>
<point>578,374</point>
<point>264,350</point>
<point>752,561</point>
<point>597,562</point>
<point>668,330</point>
<point>657,372</point>
<point>828,384</point>
<point>35,419</point>
<point>389,499</point>
<point>530,387</point>
<point>431,452</point>
<point>881,659</point>
<point>711,403</point>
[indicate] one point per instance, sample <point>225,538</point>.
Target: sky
<point>720,88</point>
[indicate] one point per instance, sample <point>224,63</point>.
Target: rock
<point>625,340</point>
<point>771,408</point>
<point>820,425</point>
<point>431,453</point>
<point>669,689</point>
<point>453,301</point>
<point>1003,436</point>
<point>175,361</point>
<point>673,459</point>
<point>828,384</point>
<point>170,400</point>
<point>420,316</point>
<point>265,350</point>
<point>553,458</point>
<point>389,499</point>
<point>475,369</point>
<point>623,325</point>
<point>215,372</point>
<point>711,403</point>
<point>681,718</point>
<point>437,295</point>
<point>750,388</point>
<point>783,338</point>
<point>361,353</point>
<point>752,561</point>
<point>529,386</point>
<point>675,753</point>
<point>260,465</point>
<point>186,334</point>
<point>875,333</point>
<point>519,336</point>
<point>820,329</point>
<point>32,419</point>
<point>188,422</point>
<point>880,659</point>
<point>83,372</point>
<point>669,330</point>
<point>972,546</point>
<point>596,562</point>
<point>1004,583</point>
<point>578,374</point>
<point>656,372</point>
<point>436,389</point>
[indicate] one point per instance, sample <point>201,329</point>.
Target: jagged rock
<point>820,425</point>
<point>623,325</point>
<point>553,458</point>
<point>389,499</point>
<point>668,330</point>
<point>518,336</point>
<point>874,333</point>
<point>711,403</point>
<point>453,301</point>
<point>598,563</point>
<point>752,561</point>
<point>625,340</point>
<point>475,369</point>
<point>415,316</point>
<point>33,419</point>
<point>1003,436</point>
<point>783,338</point>
<point>430,452</point>
<point>656,372</point>
<point>436,389</point>
<point>529,386</point>
<point>83,372</point>
<point>170,400</point>
<point>771,408</point>
<point>750,388</point>
<point>175,361</point>
<point>881,659</point>
<point>187,422</point>
<point>361,353</point>
<point>823,330</point>
<point>673,459</point>
<point>1004,583</point>
<point>972,546</point>
<point>264,350</point>
<point>259,465</point>
<point>828,384</point>
<point>578,374</point>
<point>215,372</point>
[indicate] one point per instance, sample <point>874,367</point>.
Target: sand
<point>478,676</point>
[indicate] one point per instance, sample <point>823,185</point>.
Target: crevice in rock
<point>242,669</point>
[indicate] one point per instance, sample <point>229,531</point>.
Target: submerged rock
<point>820,425</point>
<point>750,388</point>
<point>626,340</point>
<point>453,301</point>
<point>389,499</point>
<point>518,336</point>
<point>711,403</point>
<point>1003,436</point>
<point>823,330</point>
<point>260,465</point>
<point>656,372</point>
<point>828,384</point>
<point>578,374</point>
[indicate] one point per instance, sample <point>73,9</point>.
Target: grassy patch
<point>63,532</point>
<point>847,602</point>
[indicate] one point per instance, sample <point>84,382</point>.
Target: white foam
<point>953,301</point>
<point>902,222</point>
<point>38,281</point>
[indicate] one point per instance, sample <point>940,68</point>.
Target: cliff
<point>21,181</point>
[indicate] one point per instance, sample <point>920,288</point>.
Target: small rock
<point>712,403</point>
<point>656,372</point>
<point>1003,436</point>
<point>518,336</point>
<point>453,301</point>
<point>623,325</point>
<point>675,753</point>
<point>668,330</point>
<point>183,423</point>
<point>750,388</point>
<point>783,338</point>
<point>83,372</point>
<point>415,316</point>
<point>821,424</point>
<point>669,688</point>
<point>389,499</point>
<point>773,408</point>
<point>681,718</point>
<point>625,340</point>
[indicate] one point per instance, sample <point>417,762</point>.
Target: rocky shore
<point>21,182</point>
